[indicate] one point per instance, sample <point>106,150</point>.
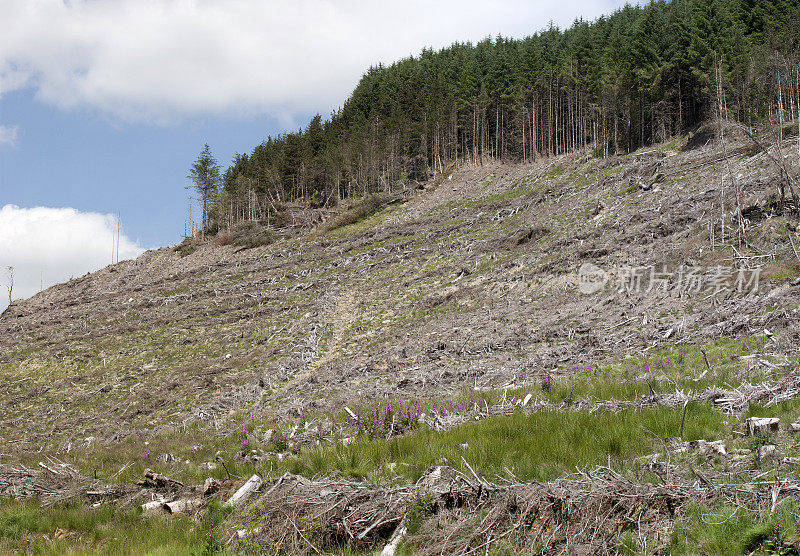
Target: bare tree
<point>10,283</point>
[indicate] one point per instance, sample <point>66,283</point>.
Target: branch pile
<point>447,512</point>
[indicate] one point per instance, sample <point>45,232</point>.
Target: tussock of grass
<point>368,206</point>
<point>187,246</point>
<point>538,446</point>
<point>247,235</point>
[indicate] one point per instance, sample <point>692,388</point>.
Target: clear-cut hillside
<point>468,282</point>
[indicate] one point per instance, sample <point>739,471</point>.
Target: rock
<point>241,533</point>
<point>793,427</point>
<point>652,465</point>
<point>762,425</point>
<point>208,466</point>
<point>252,485</point>
<point>768,451</point>
<point>438,479</point>
<point>210,486</point>
<point>716,447</point>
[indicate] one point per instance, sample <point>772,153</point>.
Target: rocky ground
<point>465,290</point>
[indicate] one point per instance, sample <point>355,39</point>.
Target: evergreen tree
<point>637,76</point>
<point>206,180</point>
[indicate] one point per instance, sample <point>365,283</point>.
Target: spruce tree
<point>205,176</point>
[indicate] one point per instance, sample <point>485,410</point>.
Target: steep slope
<point>469,284</point>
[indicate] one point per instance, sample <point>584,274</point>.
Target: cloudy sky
<point>105,103</point>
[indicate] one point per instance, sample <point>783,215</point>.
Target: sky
<point>104,104</point>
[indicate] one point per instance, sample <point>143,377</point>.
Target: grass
<point>538,446</point>
<point>732,530</point>
<point>663,371</point>
<point>788,411</point>
<point>26,527</point>
<point>678,366</point>
<point>359,211</point>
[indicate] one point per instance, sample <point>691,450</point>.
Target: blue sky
<point>80,158</point>
<point>104,104</point>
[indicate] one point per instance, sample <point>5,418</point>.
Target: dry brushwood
<point>582,514</point>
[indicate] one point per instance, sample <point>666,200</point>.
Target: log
<point>154,507</point>
<point>397,538</point>
<point>43,465</point>
<point>151,478</point>
<point>184,506</point>
<point>762,425</point>
<point>240,496</point>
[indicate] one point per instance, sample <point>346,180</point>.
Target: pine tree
<point>205,176</point>
<point>627,80</point>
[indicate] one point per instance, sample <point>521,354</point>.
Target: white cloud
<point>49,245</point>
<point>8,135</point>
<point>162,59</point>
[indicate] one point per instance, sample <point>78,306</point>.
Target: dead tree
<point>10,283</point>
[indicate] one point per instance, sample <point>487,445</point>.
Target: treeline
<point>613,85</point>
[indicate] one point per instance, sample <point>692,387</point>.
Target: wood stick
<point>683,418</point>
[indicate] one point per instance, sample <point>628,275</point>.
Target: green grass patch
<point>732,530</point>
<point>555,172</point>
<point>688,367</point>
<point>175,291</point>
<point>537,446</point>
<point>788,411</point>
<point>27,527</point>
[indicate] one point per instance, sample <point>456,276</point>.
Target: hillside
<point>633,78</point>
<point>460,299</point>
